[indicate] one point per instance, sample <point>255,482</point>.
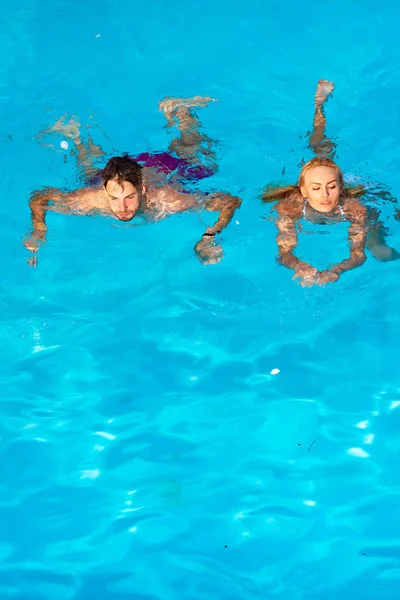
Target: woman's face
<point>321,186</point>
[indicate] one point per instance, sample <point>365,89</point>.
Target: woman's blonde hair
<point>272,193</point>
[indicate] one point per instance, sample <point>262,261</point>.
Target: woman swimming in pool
<point>322,197</point>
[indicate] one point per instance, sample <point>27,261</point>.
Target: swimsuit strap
<point>304,208</point>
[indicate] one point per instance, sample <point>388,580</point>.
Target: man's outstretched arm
<point>207,250</point>
<point>39,204</point>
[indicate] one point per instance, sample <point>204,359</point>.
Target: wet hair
<point>120,169</point>
<point>320,162</point>
<point>273,193</point>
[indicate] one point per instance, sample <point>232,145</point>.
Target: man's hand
<point>208,251</point>
<point>32,243</point>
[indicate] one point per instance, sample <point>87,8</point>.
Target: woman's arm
<point>357,215</point>
<point>287,243</point>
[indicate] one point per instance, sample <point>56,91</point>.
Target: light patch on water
<point>310,503</point>
<point>258,378</point>
<point>193,378</point>
<point>39,348</point>
<point>30,426</point>
<point>275,371</point>
<point>106,435</point>
<point>133,529</point>
<point>359,452</point>
<point>240,515</point>
<point>98,448</point>
<point>394,404</point>
<point>90,474</point>
<point>362,424</point>
<point>368,439</point>
<point>64,145</point>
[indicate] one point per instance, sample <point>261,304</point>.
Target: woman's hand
<point>306,274</point>
<point>327,277</point>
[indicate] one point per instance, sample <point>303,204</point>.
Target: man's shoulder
<point>87,199</point>
<point>89,192</point>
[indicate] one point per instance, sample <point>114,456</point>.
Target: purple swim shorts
<point>166,163</point>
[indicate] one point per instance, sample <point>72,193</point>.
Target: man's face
<point>123,198</point>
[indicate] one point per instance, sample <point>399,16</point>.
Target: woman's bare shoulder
<point>291,206</point>
<point>354,209</point>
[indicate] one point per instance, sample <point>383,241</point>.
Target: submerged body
<point>333,206</point>
<point>125,189</point>
<point>322,197</point>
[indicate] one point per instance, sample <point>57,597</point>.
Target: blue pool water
<point>147,451</point>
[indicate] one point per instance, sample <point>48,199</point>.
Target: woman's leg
<point>319,143</point>
<point>375,241</point>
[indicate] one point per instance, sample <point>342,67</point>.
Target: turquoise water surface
<point>174,431</point>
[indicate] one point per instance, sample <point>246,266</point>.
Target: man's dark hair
<point>122,168</point>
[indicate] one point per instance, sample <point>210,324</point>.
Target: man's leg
<point>192,145</point>
<point>321,145</point>
<point>86,153</point>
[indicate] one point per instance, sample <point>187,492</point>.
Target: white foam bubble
<point>64,145</point>
<point>275,372</point>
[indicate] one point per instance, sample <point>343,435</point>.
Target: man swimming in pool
<point>322,197</point>
<point>151,185</point>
